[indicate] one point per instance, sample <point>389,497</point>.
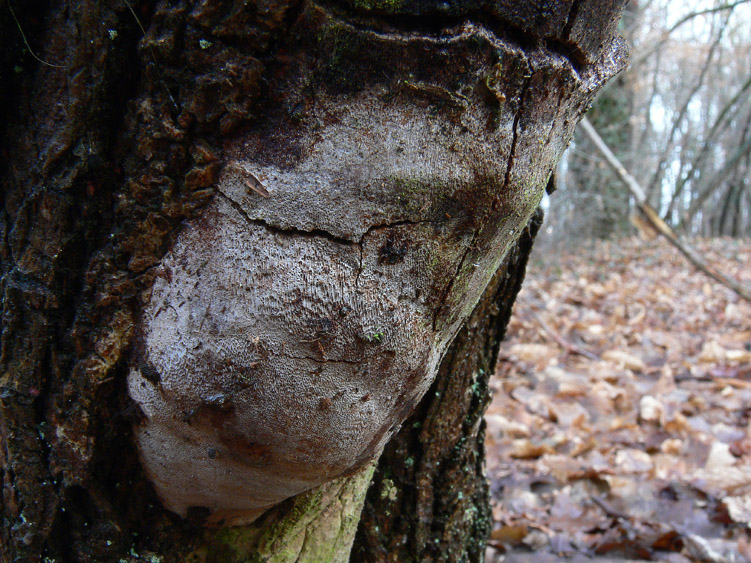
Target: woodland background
<point>621,418</point>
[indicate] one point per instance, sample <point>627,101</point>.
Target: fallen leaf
<point>672,446</point>
<point>739,509</point>
<point>719,457</point>
<point>512,534</point>
<point>525,449</point>
<point>499,426</point>
<point>633,461</point>
<point>531,352</point>
<point>624,360</point>
<point>650,409</point>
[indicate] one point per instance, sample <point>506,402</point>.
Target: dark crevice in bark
<point>446,28</point>
<point>506,183</point>
<point>515,129</point>
<point>391,225</point>
<point>571,18</point>
<point>449,286</point>
<point>286,231</point>
<point>565,46</point>
<point>320,233</point>
<point>324,360</point>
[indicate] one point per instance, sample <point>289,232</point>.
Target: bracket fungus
<point>300,319</point>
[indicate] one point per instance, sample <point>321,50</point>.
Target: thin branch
<point>711,185</point>
<point>654,184</point>
<point>704,12</point>
<point>26,42</point>
<point>665,36</point>
<point>641,201</point>
<point>568,346</point>
<point>719,125</point>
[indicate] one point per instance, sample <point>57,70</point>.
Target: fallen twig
<point>568,346</point>
<point>663,228</point>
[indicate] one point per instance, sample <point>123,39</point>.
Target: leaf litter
<point>620,425</point>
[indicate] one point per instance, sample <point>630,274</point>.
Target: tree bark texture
<point>403,138</point>
<point>429,500</point>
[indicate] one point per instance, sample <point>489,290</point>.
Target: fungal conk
<point>295,325</point>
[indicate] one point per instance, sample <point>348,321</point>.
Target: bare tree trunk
<point>138,136</point>
<point>429,500</point>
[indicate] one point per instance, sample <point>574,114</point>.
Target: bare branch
<point>641,201</point>
<point>719,125</point>
<point>654,184</point>
<point>712,184</point>
<point>665,36</point>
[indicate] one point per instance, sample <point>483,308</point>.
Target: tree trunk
<point>388,153</point>
<point>429,500</point>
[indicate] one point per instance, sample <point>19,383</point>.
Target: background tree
<point>118,127</point>
<point>677,119</point>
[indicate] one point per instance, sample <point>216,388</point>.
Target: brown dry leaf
<point>532,353</point>
<point>672,446</point>
<point>668,466</point>
<point>512,534</point>
<point>624,360</point>
<point>569,384</point>
<point>739,509</point>
<point>525,449</point>
<point>582,446</point>
<point>569,414</point>
<point>559,466</point>
<point>675,423</point>
<point>498,426</point>
<point>658,435</point>
<point>633,461</point>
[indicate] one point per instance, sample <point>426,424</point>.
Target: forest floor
<point>620,426</point>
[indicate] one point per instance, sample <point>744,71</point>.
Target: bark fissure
<point>450,285</point>
<point>443,29</point>
<point>325,359</point>
<point>515,128</point>
<point>506,182</point>
<point>286,231</point>
<point>320,233</point>
<point>571,18</point>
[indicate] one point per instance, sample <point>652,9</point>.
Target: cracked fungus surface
<point>297,323</point>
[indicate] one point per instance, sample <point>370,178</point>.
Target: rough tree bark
<point>392,152</point>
